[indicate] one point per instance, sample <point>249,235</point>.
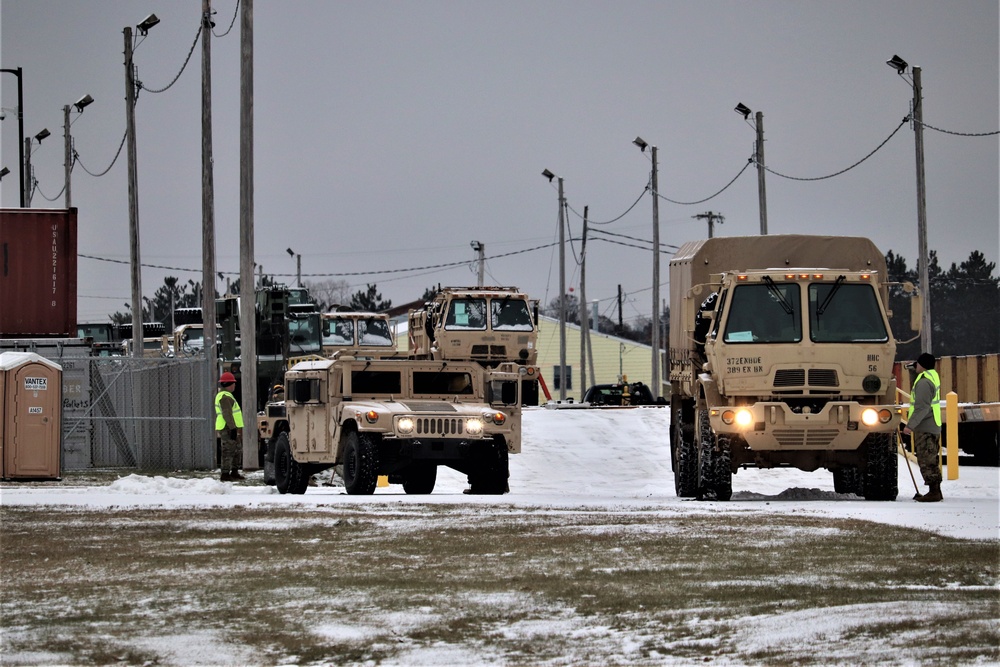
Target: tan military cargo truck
<point>368,333</point>
<point>488,325</point>
<point>781,355</point>
<point>400,418</point>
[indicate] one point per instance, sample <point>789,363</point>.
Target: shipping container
<point>38,256</point>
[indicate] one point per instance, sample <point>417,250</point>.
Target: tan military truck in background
<point>488,325</point>
<point>781,354</point>
<point>369,334</point>
<point>401,418</point>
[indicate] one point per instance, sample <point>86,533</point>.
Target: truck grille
<point>440,426</point>
<point>490,351</point>
<point>796,377</point>
<point>803,438</point>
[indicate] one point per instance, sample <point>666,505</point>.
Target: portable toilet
<point>30,416</point>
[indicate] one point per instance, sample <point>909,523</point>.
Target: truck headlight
<point>474,426</point>
<point>869,417</point>
<point>405,425</point>
<point>743,418</point>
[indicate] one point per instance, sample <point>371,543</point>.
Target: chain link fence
<point>123,412</point>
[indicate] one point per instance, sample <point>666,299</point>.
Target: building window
<point>557,377</point>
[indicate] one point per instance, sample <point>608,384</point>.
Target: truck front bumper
<point>840,425</point>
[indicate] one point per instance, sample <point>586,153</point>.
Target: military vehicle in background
<point>153,342</point>
<point>401,418</point>
<point>781,355</point>
<point>288,325</point>
<point>368,334</point>
<point>488,325</point>
<point>103,337</point>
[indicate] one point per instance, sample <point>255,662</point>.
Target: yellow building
<point>613,357</point>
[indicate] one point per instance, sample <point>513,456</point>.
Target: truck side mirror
<point>916,311</point>
<point>508,393</point>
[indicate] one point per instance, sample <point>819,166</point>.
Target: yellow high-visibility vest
<point>220,421</point>
<point>933,378</point>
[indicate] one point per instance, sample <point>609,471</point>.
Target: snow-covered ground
<point>609,458</point>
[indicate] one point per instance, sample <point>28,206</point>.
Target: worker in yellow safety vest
<point>923,424</point>
<point>229,427</point>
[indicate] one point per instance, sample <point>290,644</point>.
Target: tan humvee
<point>396,417</point>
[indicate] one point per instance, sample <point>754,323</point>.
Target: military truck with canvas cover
<point>400,418</point>
<point>781,355</point>
<point>488,325</point>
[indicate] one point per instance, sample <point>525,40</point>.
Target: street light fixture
<point>917,115</point>
<point>654,341</point>
<point>80,104</point>
<point>562,286</point>
<point>4,172</point>
<point>298,266</point>
<point>133,178</point>
<point>20,129</point>
<point>29,176</point>
<point>745,111</point>
<point>42,135</point>
<point>147,23</point>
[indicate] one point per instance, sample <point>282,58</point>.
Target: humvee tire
<point>880,481</point>
<point>493,469</point>
<point>419,478</point>
<point>289,476</point>
<point>360,465</point>
<point>847,480</point>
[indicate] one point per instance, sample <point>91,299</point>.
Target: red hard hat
<point>227,378</point>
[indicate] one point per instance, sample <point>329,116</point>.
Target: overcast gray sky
<point>390,135</point>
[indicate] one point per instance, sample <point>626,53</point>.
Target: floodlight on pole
<point>298,266</point>
<point>4,172</point>
<point>654,341</point>
<point>83,102</point>
<point>917,116</point>
<point>42,135</point>
<point>745,111</point>
<point>562,285</point>
<point>147,23</point>
<point>80,105</point>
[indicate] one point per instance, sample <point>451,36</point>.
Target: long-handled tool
<point>902,450</point>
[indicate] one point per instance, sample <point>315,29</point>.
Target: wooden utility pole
<point>562,294</point>
<point>248,324</point>
<point>761,191</point>
<point>133,197</point>
<point>481,257</point>
<point>712,218</point>
<point>926,337</point>
<point>583,306</point>
<point>655,336</point>
<point>208,315</point>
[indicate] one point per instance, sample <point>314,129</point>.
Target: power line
<point>231,23</point>
<point>186,60</point>
<point>702,201</point>
<point>76,158</point>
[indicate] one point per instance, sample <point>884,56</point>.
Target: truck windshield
<point>850,315</point>
<point>467,315</point>
<point>338,331</point>
<point>758,313</point>
<point>303,335</point>
<point>510,315</point>
<point>374,331</point>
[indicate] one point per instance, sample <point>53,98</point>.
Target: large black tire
<point>420,478</point>
<point>360,465</point>
<point>492,469</point>
<point>715,477</point>
<point>684,454</point>
<point>847,480</point>
<point>289,475</point>
<point>879,480</point>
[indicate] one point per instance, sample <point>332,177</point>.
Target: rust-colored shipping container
<point>37,272</point>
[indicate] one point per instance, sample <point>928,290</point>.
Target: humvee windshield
<point>510,315</point>
<point>442,382</point>
<point>467,315</point>
<point>845,313</point>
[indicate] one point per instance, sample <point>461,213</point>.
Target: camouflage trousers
<point>229,458</point>
<point>926,447</point>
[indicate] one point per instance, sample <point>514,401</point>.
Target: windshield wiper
<point>773,289</point>
<point>829,297</point>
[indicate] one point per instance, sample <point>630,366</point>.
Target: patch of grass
<point>369,583</point>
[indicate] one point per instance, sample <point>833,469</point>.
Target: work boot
<point>226,476</point>
<point>917,496</point>
<point>932,496</point>
<point>235,475</point>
